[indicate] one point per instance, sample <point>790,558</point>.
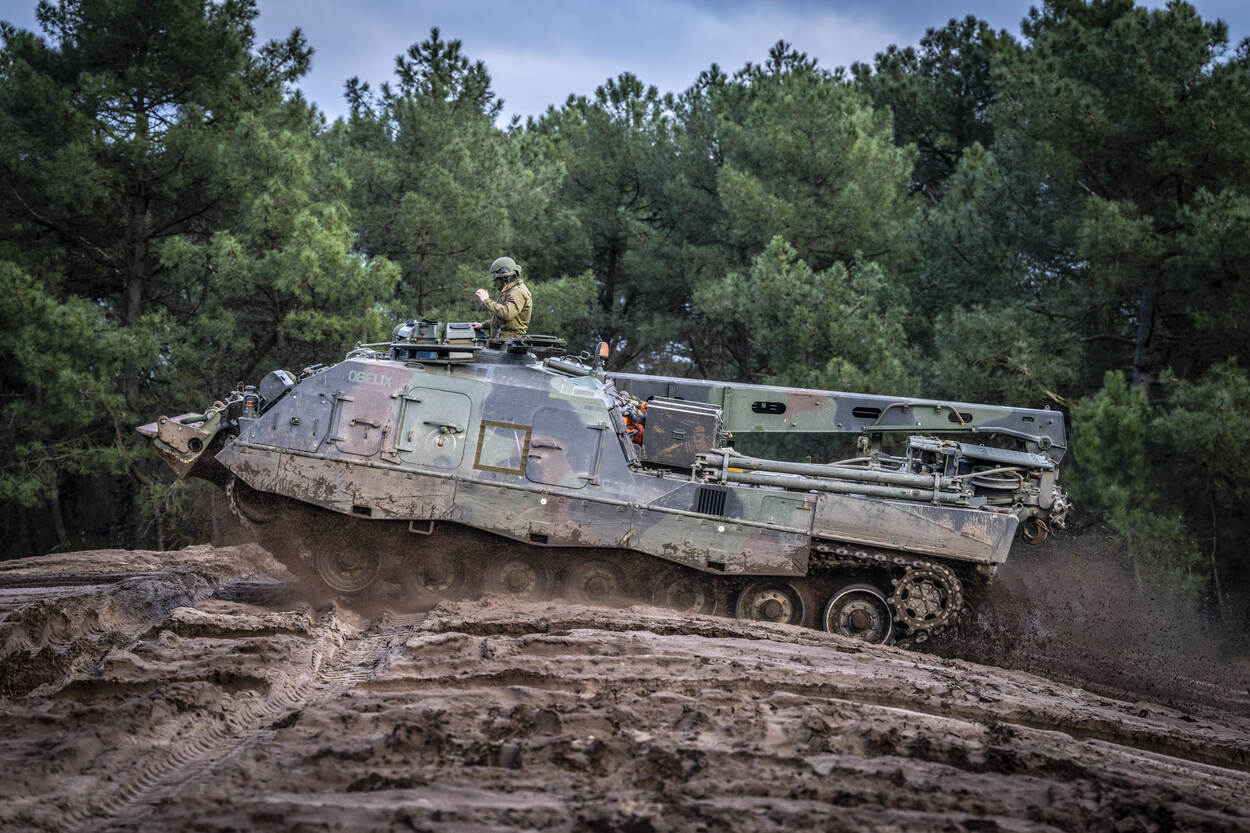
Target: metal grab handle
<point>444,427</point>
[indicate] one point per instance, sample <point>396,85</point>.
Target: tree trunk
<point>58,523</point>
<point>740,349</point>
<point>137,279</point>
<point>607,295</point>
<point>1215,567</point>
<point>1147,345</point>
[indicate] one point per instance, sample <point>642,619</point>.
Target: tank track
<point>926,596</point>
<point>279,524</point>
<point>232,501</point>
<point>919,616</point>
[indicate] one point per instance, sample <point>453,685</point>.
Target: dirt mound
<point>216,699</point>
<point>61,613</point>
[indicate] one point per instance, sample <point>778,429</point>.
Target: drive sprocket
<point>927,596</point>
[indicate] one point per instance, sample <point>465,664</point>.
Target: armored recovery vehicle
<point>454,466</point>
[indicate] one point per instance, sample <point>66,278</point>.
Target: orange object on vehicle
<point>636,422</point>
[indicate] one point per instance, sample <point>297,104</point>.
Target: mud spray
<point>1071,609</point>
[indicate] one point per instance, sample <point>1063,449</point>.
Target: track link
<point>910,572</point>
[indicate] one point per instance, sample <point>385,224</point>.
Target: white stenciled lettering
<point>368,377</point>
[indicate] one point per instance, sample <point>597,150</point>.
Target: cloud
<point>538,55</point>
<point>536,60</point>
<point>686,41</point>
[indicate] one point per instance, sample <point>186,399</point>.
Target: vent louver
<point>711,501</point>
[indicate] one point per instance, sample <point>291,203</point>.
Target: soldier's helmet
<point>503,270</point>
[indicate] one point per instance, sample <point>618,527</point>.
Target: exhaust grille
<point>711,501</point>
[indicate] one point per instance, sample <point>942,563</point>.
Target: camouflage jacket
<point>511,309</point>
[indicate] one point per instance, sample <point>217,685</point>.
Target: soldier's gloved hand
<point>482,294</point>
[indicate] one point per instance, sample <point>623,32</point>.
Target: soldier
<point>512,308</point>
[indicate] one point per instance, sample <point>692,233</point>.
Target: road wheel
<point>593,581</point>
<point>347,570</point>
<point>521,577</point>
<point>432,575</point>
<point>859,611</point>
<point>684,591</point>
<point>771,601</point>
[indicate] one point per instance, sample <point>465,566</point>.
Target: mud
<point>1073,610</point>
<point>198,690</point>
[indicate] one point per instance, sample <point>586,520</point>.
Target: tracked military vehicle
<point>448,465</point>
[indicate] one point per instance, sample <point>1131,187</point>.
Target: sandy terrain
<point>197,690</point>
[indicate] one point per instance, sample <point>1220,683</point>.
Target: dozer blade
<point>182,440</point>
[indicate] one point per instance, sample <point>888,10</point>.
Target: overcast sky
<point>539,53</point>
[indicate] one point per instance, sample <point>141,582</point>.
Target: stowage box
<point>678,431</point>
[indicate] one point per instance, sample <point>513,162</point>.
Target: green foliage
<point>783,149</point>
<point>614,157</point>
<point>1112,127</point>
<point>1131,114</point>
<point>1122,473</point>
<point>1000,354</point>
<point>62,355</point>
<point>1059,218</point>
<point>1206,418</point>
<point>807,158</point>
<point>990,240</point>
<point>433,184</point>
<point>159,185</point>
<point>1214,248</point>
<point>1112,427</point>
<point>1105,230</point>
<point>939,94</point>
<point>564,307</point>
<point>436,70</point>
<point>284,282</point>
<point>838,329</point>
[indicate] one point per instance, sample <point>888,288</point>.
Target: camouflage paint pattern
<point>512,445</point>
<point>750,408</point>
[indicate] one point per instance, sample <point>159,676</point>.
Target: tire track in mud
<point>543,651</point>
<point>336,663</point>
<point>584,702</point>
<point>1180,753</point>
<point>1114,729</point>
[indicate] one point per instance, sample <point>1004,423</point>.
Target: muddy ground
<point>199,690</point>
